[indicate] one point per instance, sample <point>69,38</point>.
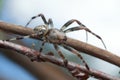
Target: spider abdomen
<point>55,34</point>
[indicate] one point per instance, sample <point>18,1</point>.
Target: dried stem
<point>34,54</point>
<point>78,45</point>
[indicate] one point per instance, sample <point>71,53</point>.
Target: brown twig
<point>78,45</point>
<point>34,54</point>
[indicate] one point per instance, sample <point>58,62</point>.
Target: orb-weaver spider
<point>50,33</point>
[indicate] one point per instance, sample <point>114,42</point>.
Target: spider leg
<point>22,37</point>
<point>72,21</point>
<point>17,38</point>
<point>40,50</point>
<point>76,53</point>
<point>87,30</point>
<point>39,15</point>
<point>60,54</point>
<point>50,22</point>
<point>43,43</point>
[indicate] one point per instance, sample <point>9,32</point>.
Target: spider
<point>48,33</point>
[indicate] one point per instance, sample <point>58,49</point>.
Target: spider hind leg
<point>61,55</point>
<point>78,54</point>
<point>72,21</point>
<point>69,23</point>
<point>87,30</point>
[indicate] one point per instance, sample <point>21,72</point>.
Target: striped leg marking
<point>76,53</point>
<point>43,43</point>
<point>72,21</point>
<point>69,23</point>
<point>39,15</point>
<point>86,29</point>
<point>17,38</point>
<point>60,54</point>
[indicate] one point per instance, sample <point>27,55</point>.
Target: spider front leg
<point>60,54</point>
<point>39,15</point>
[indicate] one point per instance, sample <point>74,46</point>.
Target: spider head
<point>41,29</point>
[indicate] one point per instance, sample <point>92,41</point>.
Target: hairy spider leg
<point>86,29</point>
<point>61,54</point>
<point>39,15</point>
<point>72,21</point>
<point>76,53</point>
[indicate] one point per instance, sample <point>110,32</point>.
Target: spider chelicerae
<point>48,33</point>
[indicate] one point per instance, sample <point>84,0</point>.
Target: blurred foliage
<point>1,5</point>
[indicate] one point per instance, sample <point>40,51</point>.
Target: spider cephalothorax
<point>48,33</point>
<point>41,28</point>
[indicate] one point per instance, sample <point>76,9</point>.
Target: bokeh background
<point>101,16</point>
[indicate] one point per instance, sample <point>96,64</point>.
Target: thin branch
<point>32,54</point>
<point>78,45</point>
